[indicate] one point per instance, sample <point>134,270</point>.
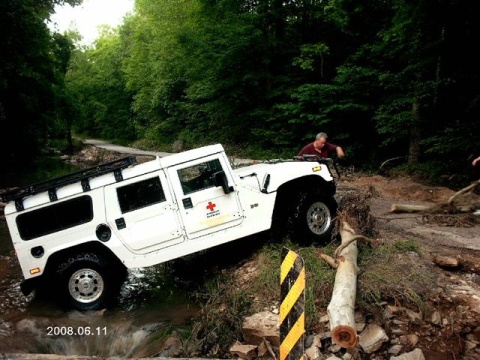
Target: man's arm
<point>474,162</point>
<point>340,152</point>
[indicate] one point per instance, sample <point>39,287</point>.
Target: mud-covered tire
<point>86,283</point>
<point>313,218</point>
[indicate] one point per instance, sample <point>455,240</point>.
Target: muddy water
<point>149,304</point>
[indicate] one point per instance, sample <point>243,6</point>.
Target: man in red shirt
<point>321,147</point>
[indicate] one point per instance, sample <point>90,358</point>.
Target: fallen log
<point>448,207</point>
<point>341,307</point>
<point>409,208</point>
<point>470,187</point>
<point>431,209</point>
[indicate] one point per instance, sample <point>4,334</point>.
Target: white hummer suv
<point>78,232</point>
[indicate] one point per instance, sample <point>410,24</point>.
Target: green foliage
<point>97,80</point>
<point>439,173</point>
<point>383,75</point>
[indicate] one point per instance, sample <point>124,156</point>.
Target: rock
<point>5,329</point>
<point>265,351</point>
<point>324,319</point>
<point>397,331</point>
<point>412,315</point>
<point>172,347</point>
<point>390,311</point>
<point>27,325</point>
<point>359,317</point>
<point>359,327</point>
<point>395,349</point>
<point>372,338</point>
<point>309,341</point>
<point>360,321</point>
<point>436,318</point>
<point>409,340</point>
<point>244,351</point>
<point>325,335</point>
<point>447,262</point>
<point>416,354</point>
<point>317,341</point>
<point>313,353</point>
<point>469,346</point>
<point>178,146</point>
<point>262,326</point>
<point>475,335</point>
<point>334,348</point>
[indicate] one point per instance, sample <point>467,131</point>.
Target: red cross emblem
<point>211,206</point>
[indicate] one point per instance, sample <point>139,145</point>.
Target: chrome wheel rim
<point>86,285</point>
<point>319,218</point>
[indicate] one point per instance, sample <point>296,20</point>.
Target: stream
<point>150,304</point>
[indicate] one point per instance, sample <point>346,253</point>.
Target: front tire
<point>314,218</point>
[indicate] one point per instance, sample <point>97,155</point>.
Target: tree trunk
<point>342,305</point>
<point>415,128</point>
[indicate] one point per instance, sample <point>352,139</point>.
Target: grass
<point>390,272</point>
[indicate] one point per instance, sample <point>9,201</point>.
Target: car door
<point>143,213</point>
<point>204,207</point>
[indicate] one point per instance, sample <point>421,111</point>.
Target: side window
<point>198,177</point>
<point>140,194</point>
<point>56,217</point>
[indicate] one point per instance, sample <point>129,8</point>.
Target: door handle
<point>120,222</point>
<point>187,203</point>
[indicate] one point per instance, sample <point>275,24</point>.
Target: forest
<point>385,79</point>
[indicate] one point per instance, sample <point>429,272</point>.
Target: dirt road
<point>460,231</point>
<point>122,149</point>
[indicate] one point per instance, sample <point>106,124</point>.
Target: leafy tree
<point>27,78</point>
<point>414,53</point>
<point>373,74</point>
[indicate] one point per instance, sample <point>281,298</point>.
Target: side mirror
<point>220,179</point>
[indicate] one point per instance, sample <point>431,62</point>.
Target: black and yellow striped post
<point>292,307</point>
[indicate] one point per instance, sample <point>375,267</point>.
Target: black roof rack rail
<point>83,176</point>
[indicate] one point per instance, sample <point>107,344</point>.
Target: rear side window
<point>140,194</point>
<point>56,217</point>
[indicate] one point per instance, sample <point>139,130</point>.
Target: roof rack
<point>83,176</point>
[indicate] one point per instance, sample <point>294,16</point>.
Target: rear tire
<point>85,282</point>
<point>313,218</point>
